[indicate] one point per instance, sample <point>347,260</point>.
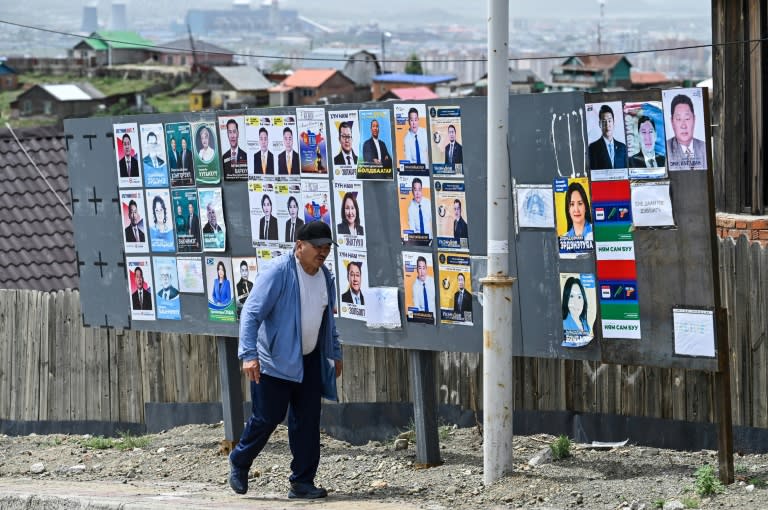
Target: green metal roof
<point>117,39</point>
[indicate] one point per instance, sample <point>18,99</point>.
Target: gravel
<point>627,477</point>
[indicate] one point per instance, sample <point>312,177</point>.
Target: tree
<point>414,65</point>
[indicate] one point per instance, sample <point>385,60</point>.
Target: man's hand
<point>252,369</point>
<point>338,364</point>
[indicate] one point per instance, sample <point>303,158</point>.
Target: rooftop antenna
<point>600,26</point>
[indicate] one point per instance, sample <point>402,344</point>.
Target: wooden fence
<point>51,368</point>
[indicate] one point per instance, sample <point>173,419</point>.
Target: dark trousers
<point>271,398</point>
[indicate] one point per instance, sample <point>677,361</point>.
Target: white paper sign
<point>694,332</point>
<point>535,206</point>
<point>651,204</point>
<point>385,313</point>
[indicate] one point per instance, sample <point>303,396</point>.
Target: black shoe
<point>238,478</point>
<point>303,490</point>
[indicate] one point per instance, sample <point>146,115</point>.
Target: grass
<point>707,483</point>
<point>127,441</point>
<point>689,502</point>
<point>561,448</point>
<point>98,443</point>
<point>659,503</point>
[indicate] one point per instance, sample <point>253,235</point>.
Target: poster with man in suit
<point>607,147</point>
<point>127,154</point>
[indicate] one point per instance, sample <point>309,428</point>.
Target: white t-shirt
<point>314,299</point>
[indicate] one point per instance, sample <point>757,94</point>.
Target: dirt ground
<point>623,477</point>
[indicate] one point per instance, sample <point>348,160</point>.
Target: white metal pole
<point>498,390</point>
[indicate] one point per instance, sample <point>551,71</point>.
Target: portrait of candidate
<point>129,166</point>
<point>160,229</point>
<point>577,212</point>
<point>206,152</point>
<point>374,150</point>
<point>346,155</point>
<point>235,155</point>
<point>288,160</point>
<point>185,155</point>
<point>174,162</point>
<point>141,299</point>
<point>211,225</point>
<point>462,299</point>
<point>222,289</point>
<point>460,230</point>
<point>268,223</point>
<point>423,289</point>
<point>293,223</point>
<point>683,149</point>
<point>244,285</point>
<point>415,140</point>
<point>193,223</point>
<point>133,234</point>
<point>355,278</point>
<point>168,291</point>
<point>575,307</point>
<point>182,227</point>
<point>419,210</point>
<point>607,152</point>
<point>152,157</point>
<point>646,157</point>
<point>350,216</point>
<point>263,163</point>
<point>453,154</point>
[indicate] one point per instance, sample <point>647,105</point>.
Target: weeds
<point>129,442</point>
<point>690,502</point>
<point>707,483</point>
<point>98,442</point>
<point>659,503</point>
<point>561,448</point>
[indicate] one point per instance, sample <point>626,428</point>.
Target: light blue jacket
<point>270,326</point>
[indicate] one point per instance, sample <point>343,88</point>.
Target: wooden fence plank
<point>31,387</point>
<point>114,372</point>
<point>46,302</point>
<point>61,366</point>
<point>758,335</point>
<point>740,340</point>
<point>16,310</point>
<point>77,388</point>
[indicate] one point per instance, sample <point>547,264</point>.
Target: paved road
<point>36,494</point>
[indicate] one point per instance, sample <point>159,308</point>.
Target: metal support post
<point>425,407</point>
<point>231,389</point>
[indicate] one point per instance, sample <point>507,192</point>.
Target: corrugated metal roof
<point>418,79</point>
<point>309,78</point>
<point>413,93</point>
<point>183,45</point>
<point>73,92</point>
<point>243,77</point>
<point>117,39</point>
<point>37,248</point>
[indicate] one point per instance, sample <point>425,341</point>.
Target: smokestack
<point>119,18</point>
<point>90,19</point>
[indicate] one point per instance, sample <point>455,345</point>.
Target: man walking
<point>287,336</point>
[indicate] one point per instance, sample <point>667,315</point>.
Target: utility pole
<point>498,389</point>
<point>600,26</point>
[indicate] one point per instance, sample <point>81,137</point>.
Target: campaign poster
<point>350,207</point>
<point>455,288</point>
<point>260,149</point>
<point>244,269</point>
<point>646,143</point>
<point>206,153</point>
<point>375,161</point>
<point>313,142</point>
<point>353,282</point>
<point>345,139</point>
<point>579,307</point>
<point>190,271</point>
<point>211,211</point>
<point>140,288</point>
<point>178,141</point>
<point>606,137</point>
<point>447,150</point>
<point>412,142</point>
<point>287,193</point>
<point>414,200</point>
<point>266,256</point>
<point>261,199</point>
<point>619,308</point>
<point>127,155</point>
<point>419,287</point>
<point>684,124</point>
<point>134,225</point>
<point>535,206</point>
<point>218,281</point>
<point>316,202</point>
<point>573,217</point>
<point>154,163</point>
<point>161,238</point>
<point>452,222</point>
<point>234,158</point>
<point>167,288</point>
<point>273,143</point>
<point>186,220</point>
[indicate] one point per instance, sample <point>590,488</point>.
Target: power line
<point>321,59</point>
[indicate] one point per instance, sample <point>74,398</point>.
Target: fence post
<point>425,407</point>
<point>231,389</point>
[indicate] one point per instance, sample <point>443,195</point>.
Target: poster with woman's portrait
<point>218,281</point>
<point>573,217</point>
<point>579,308</point>
<point>286,210</point>
<point>264,222</point>
<point>206,153</point>
<point>127,154</point>
<point>161,238</point>
<point>167,288</point>
<point>350,221</point>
